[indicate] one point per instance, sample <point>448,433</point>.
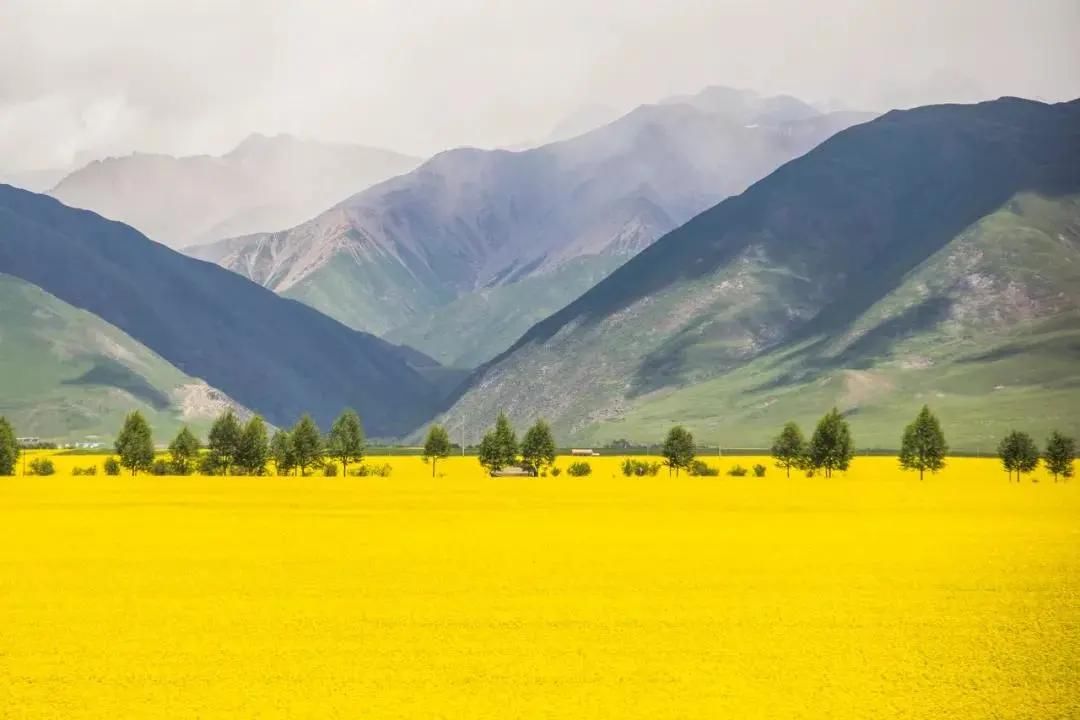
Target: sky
<point>82,79</point>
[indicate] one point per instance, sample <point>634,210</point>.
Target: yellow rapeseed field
<point>871,595</point>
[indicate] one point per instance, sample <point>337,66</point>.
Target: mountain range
<point>98,318</point>
<point>929,256</point>
<point>265,183</point>
<point>462,255</point>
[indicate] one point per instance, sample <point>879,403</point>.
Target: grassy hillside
<point>275,356</point>
<point>505,312</point>
<point>929,256</point>
<point>66,374</point>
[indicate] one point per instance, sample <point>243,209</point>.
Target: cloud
<point>83,79</point>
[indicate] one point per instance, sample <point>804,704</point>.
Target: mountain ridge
<point>795,259</point>
<point>275,356</point>
<point>264,183</point>
<point>469,220</point>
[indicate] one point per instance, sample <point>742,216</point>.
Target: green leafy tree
<point>923,445</point>
<point>1060,451</point>
<point>678,449</point>
<point>488,454</point>
<point>307,444</point>
<point>281,450</point>
<point>538,447</point>
<point>135,444</point>
<point>789,448</point>
<point>184,450</point>
<point>1018,454</point>
<point>224,440</point>
<point>831,447</point>
<point>9,448</point>
<point>345,443</point>
<point>253,449</point>
<point>499,448</point>
<point>436,446</point>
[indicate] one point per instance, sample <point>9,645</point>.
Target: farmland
<point>867,595</point>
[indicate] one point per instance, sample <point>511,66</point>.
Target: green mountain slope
<point>275,356</point>
<point>504,312</point>
<point>928,256</point>
<point>66,374</point>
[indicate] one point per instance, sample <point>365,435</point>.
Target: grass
<point>65,373</point>
<point>870,595</point>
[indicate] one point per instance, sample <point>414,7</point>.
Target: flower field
<point>870,595</point>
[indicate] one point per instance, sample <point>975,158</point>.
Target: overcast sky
<point>81,79</point>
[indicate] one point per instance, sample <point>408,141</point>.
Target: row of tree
<point>245,448</point>
<point>922,448</point>
<point>500,449</point>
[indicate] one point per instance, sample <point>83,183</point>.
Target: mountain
<point>34,180</point>
<point>265,183</point>
<point>462,255</point>
<point>66,374</point>
<point>275,356</point>
<point>929,256</point>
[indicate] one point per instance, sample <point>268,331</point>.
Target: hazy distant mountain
<point>462,255</point>
<point>274,356</point>
<point>265,183</point>
<point>930,256</point>
<point>34,180</point>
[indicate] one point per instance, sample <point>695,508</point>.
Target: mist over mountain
<point>265,183</point>
<point>462,255</point>
<point>928,255</point>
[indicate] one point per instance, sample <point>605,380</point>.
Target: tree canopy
<point>223,441</point>
<point>253,448</point>
<point>135,444</point>
<point>345,443</point>
<point>307,443</point>
<point>9,448</point>
<point>538,447</point>
<point>1060,451</point>
<point>436,446</point>
<point>678,449</point>
<point>831,447</point>
<point>184,449</point>
<point>789,448</point>
<point>1018,454</point>
<point>499,448</point>
<point>923,446</point>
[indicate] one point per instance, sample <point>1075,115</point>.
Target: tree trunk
<point>920,474</point>
<point>433,461</point>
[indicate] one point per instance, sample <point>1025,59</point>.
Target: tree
<point>1018,454</point>
<point>253,449</point>
<point>436,446</point>
<point>281,451</point>
<point>224,440</point>
<point>184,449</point>
<point>923,445</point>
<point>789,448</point>
<point>499,448</point>
<point>346,440</point>
<point>538,447</point>
<point>9,448</point>
<point>1060,451</point>
<point>134,444</point>
<point>307,443</point>
<point>678,449</point>
<point>831,447</point>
